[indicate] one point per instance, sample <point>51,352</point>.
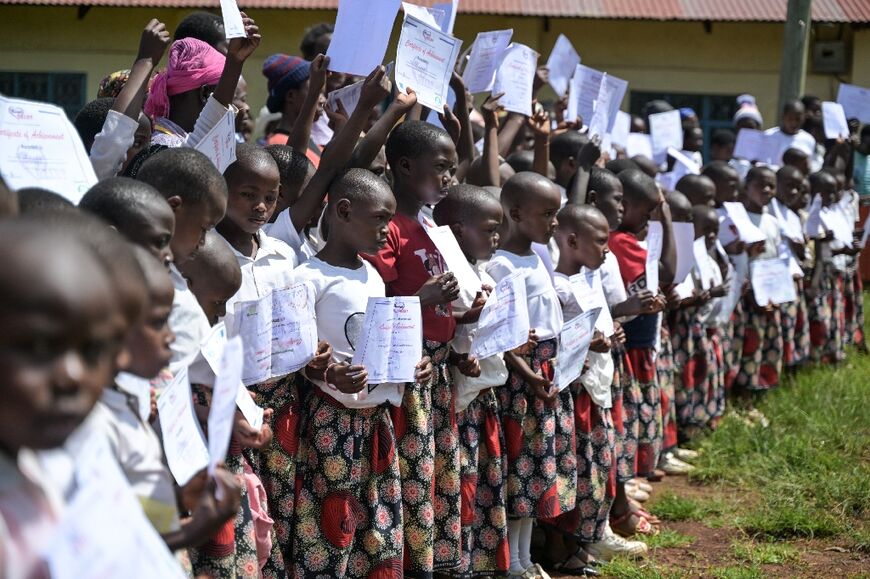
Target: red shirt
<point>641,331</point>
<point>407,261</point>
<point>313,151</point>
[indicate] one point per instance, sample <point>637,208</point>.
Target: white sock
<point>525,543</point>
<point>514,526</point>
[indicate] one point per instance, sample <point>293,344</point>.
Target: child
<point>197,194</point>
<point>423,161</point>
<point>296,172</point>
<point>761,359</point>
<point>541,483</point>
<point>642,201</point>
<point>582,237</point>
<point>700,189</point>
<point>475,217</point>
<point>349,510</point>
<point>789,134</point>
<point>137,210</point>
<point>181,101</point>
<point>214,276</point>
<point>57,293</point>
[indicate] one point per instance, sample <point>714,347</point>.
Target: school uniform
<point>779,142</point>
<point>169,134</point>
<point>640,340</point>
<point>853,302</point>
<point>186,320</point>
<point>349,503</point>
<point>665,373</point>
<point>425,423</point>
<point>110,146</point>
<point>762,353</point>
<point>595,435</point>
<point>542,463</point>
<point>269,270</point>
<point>482,458</point>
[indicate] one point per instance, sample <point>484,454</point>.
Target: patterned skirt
<point>542,465</point>
<point>716,401</point>
<point>696,358</point>
<point>826,315</point>
<point>732,344</point>
<point>761,361</point>
<point>349,506</point>
<point>788,313</point>
<point>626,396</point>
<point>666,373</point>
<point>483,470</point>
<point>649,412</point>
<point>853,307</point>
<point>427,439</point>
<point>801,351</point>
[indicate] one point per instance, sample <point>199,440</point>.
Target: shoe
<point>539,572</point>
<point>637,494</point>
<point>612,545</point>
<point>685,454</point>
<point>758,418</point>
<point>673,465</point>
<point>641,484</point>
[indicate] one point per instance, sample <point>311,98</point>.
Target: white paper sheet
<point>233,25</point>
<point>813,225</point>
<point>751,145</point>
<point>855,101</point>
<point>104,533</point>
<point>347,95</point>
<point>621,129</point>
<point>186,453</point>
<point>428,16</point>
<point>40,147</point>
<point>834,119</point>
<point>666,130</point>
<point>362,33</point>
<point>600,120</point>
<point>684,238</point>
<point>504,321</point>
<point>486,53</point>
<point>139,387</point>
<point>589,293</point>
<point>639,144</point>
<point>683,164</point>
<point>294,328</point>
<point>219,144</point>
<point>449,9</point>
<point>617,88</point>
<point>585,86</point>
<point>515,77</point>
<point>835,222</point>
<point>252,320</point>
<point>425,59</point>
<point>561,64</point>
<point>703,264</point>
<point>654,238</point>
<point>771,281</point>
<point>249,409</point>
<point>789,223</point>
<point>223,402</point>
<point>391,341</point>
<point>574,341</point>
<point>747,230</point>
<point>453,257</point>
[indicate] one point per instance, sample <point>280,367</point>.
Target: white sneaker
<point>756,416</point>
<point>636,494</point>
<point>612,545</point>
<point>673,465</point>
<point>641,484</point>
<point>539,572</point>
<point>685,454</point>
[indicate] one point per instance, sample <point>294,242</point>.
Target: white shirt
<point>768,224</point>
<point>611,281</point>
<point>212,114</point>
<point>283,229</point>
<point>341,296</point>
<point>110,146</point>
<point>545,313</point>
<point>493,371</point>
<point>186,320</point>
<point>271,269</point>
<point>778,143</point>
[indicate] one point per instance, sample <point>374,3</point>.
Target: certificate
<point>600,121</point>
<point>448,20</point>
<point>424,62</point>
<point>684,238</point>
<point>638,144</point>
<point>771,281</point>
<point>834,120</point>
<point>347,95</point>
<point>453,257</point>
<point>703,263</point>
<point>504,320</point>
<point>234,27</point>
<point>855,101</point>
<point>486,53</point>
<point>423,14</point>
<point>515,77</point>
<point>252,320</point>
<point>589,293</point>
<point>666,130</point>
<point>223,402</point>
<point>621,129</point>
<point>219,144</point>
<point>362,33</point>
<point>561,64</point>
<point>40,147</point>
<point>186,453</point>
<point>574,341</point>
<point>751,145</point>
<point>654,238</point>
<point>294,328</point>
<point>585,85</point>
<point>391,341</point>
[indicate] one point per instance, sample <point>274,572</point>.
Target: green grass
<point>668,539</point>
<point>620,568</point>
<point>738,572</point>
<point>672,507</point>
<point>765,553</point>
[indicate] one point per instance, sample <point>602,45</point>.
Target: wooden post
<point>795,45</point>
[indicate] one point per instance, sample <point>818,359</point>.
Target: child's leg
<point>788,323</point>
<point>820,318</point>
<point>802,326</point>
<point>716,376</point>
<point>649,442</point>
<point>596,486</point>
<point>665,373</point>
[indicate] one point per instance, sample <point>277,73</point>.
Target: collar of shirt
<point>267,247</point>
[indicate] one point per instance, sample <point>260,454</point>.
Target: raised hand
<point>242,48</point>
<point>155,39</point>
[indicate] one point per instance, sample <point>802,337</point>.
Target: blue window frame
<point>67,90</point>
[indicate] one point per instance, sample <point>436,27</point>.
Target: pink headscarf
<point>192,64</point>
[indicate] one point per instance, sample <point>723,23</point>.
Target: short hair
<point>573,217</point>
<point>90,119</point>
<point>704,212</point>
<point>793,155</point>
<point>566,145</point>
<point>249,155</point>
<point>517,188</point>
<point>646,165</point>
<point>793,105</point>
<point>135,164</point>
<point>182,172</point>
<point>215,256</point>
<point>412,139</point>
<point>818,177</point>
<point>357,185</point>
<point>756,172</point>
<point>617,166</point>
<point>203,26</point>
<point>691,185</point>
<point>788,171</point>
<point>601,181</point>
<point>153,271</point>
<point>809,100</point>
<point>521,161</point>
<point>722,138</point>
<point>718,171</point>
<point>122,202</point>
<point>678,202</point>
<point>310,38</point>
<point>293,165</point>
<point>638,186</point>
<point>463,202</point>
<point>39,200</point>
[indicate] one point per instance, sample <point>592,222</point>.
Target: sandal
<point>574,565</point>
<point>639,510</point>
<point>632,523</point>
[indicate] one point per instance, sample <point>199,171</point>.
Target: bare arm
<point>300,134</point>
<point>371,144</point>
<point>540,125</point>
<point>238,52</point>
<point>586,157</point>
<point>508,133</point>
<point>155,39</point>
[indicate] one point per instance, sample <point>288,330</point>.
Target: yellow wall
<point>653,56</point>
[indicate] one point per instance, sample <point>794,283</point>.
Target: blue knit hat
<point>283,73</point>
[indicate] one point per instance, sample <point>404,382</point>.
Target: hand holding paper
<point>424,61</point>
<point>515,78</point>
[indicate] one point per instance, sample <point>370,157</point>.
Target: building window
<point>64,89</point>
<point>714,111</point>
